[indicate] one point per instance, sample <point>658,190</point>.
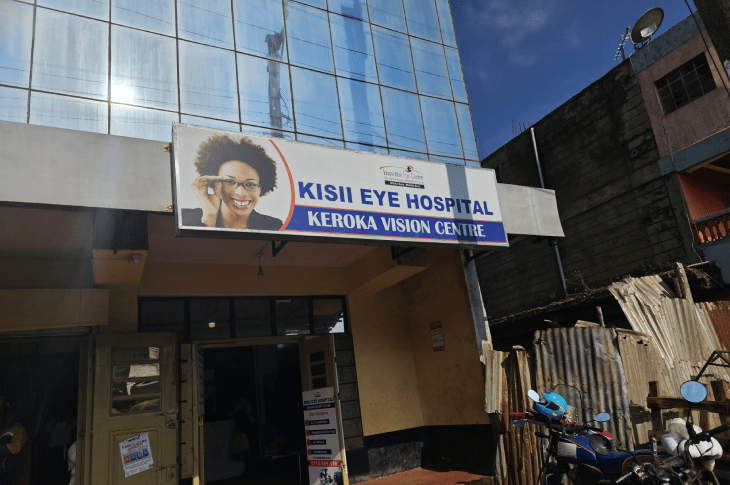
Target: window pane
<point>16,28</point>
<point>132,388</point>
<point>149,124</point>
<point>420,156</point>
<point>208,82</point>
<point>74,64</point>
<point>260,28</point>
<point>210,319</point>
<point>447,27</point>
<point>253,317</point>
<point>98,9</point>
<point>153,15</point>
<point>431,71</point>
<point>457,79</point>
<point>467,132</point>
<point>353,47</point>
<point>13,104</point>
<point>135,405</point>
<point>315,3</point>
<point>422,19</point>
<point>328,316</point>
<point>403,120</point>
<point>292,317</point>
<point>315,103</point>
<point>366,148</point>
<point>120,354</point>
<point>393,53</point>
<point>65,112</point>
<point>267,132</point>
<point>264,91</point>
<point>144,69</point>
<point>362,114</point>
<point>135,370</point>
<point>388,13</point>
<point>206,21</point>
<point>442,131</point>
<point>162,316</point>
<point>208,123</point>
<point>308,31</point>
<point>356,9</point>
<point>320,141</point>
<point>453,161</point>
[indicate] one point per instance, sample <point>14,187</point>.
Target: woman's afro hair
<point>219,149</point>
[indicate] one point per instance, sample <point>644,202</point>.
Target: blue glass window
<point>206,21</point>
<point>442,130</point>
<point>144,69</point>
<point>253,130</point>
<point>431,71</point>
<point>16,29</point>
<point>365,148</point>
<point>13,104</point>
<point>467,132</point>
<point>356,9</point>
<point>144,123</point>
<point>72,113</point>
<point>422,19</point>
<point>316,108</point>
<point>457,78</point>
<point>401,153</point>
<point>71,55</point>
<point>453,161</point>
<point>447,26</point>
<point>403,120</point>
<point>98,9</point>
<point>208,82</point>
<point>393,54</point>
<point>320,141</point>
<point>315,3</point>
<point>353,47</point>
<point>473,164</point>
<point>208,123</point>
<point>153,15</point>
<point>308,31</point>
<point>388,13</point>
<point>264,92</point>
<point>260,28</point>
<point>362,114</point>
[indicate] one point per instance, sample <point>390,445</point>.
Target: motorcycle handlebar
<point>623,478</point>
<point>705,436</point>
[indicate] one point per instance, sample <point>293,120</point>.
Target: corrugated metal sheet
<point>719,314</point>
<point>588,359</point>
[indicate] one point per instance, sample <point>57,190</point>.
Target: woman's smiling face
<point>239,201</point>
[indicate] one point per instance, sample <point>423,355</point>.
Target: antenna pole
<point>621,45</point>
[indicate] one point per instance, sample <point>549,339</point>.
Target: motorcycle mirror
<point>533,395</point>
<point>602,417</point>
<point>693,391</point>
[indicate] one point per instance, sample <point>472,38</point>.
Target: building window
<point>682,86</point>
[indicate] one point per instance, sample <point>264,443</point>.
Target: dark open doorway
<point>254,430</point>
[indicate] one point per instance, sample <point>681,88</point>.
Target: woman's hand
<point>210,203</point>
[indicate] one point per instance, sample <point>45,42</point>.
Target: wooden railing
<point>712,229</point>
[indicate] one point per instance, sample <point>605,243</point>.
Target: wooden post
<point>719,389</point>
<point>656,413</point>
<point>705,417</point>
<point>601,322</point>
<point>682,283</point>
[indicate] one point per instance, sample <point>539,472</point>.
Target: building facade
<point>113,327</point>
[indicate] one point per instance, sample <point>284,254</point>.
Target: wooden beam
<point>674,402</point>
<point>720,391</point>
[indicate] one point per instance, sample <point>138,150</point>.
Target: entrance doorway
<point>254,431</point>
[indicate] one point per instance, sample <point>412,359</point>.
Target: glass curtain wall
<point>375,75</point>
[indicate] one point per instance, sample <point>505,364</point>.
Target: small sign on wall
<point>437,336</point>
<point>136,454</point>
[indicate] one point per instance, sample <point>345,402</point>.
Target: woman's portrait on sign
<point>233,176</point>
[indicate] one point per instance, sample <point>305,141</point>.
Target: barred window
<point>682,86</point>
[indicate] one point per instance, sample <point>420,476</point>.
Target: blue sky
<point>524,58</point>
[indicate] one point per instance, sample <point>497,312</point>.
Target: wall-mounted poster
<point>136,454</point>
<point>230,184</point>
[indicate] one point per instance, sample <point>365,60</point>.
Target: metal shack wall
<point>719,314</point>
<point>589,359</point>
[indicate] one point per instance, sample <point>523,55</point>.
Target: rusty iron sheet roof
<point>719,314</point>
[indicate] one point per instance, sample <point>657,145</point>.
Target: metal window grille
<point>685,84</point>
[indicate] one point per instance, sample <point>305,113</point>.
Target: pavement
<point>420,476</point>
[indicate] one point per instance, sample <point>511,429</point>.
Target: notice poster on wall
<point>254,187</point>
<point>136,454</point>
<point>323,440</point>
<point>437,337</point>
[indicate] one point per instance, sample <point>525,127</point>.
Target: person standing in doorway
<point>13,438</point>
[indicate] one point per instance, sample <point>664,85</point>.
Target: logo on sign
<point>403,177</point>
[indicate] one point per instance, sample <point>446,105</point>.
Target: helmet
<point>554,406</point>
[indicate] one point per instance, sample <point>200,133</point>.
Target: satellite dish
<point>647,25</point>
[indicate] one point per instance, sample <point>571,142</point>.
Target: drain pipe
<point>555,246</point>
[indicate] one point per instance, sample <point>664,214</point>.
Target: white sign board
<point>136,454</point>
<point>268,188</point>
<point>323,440</point>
